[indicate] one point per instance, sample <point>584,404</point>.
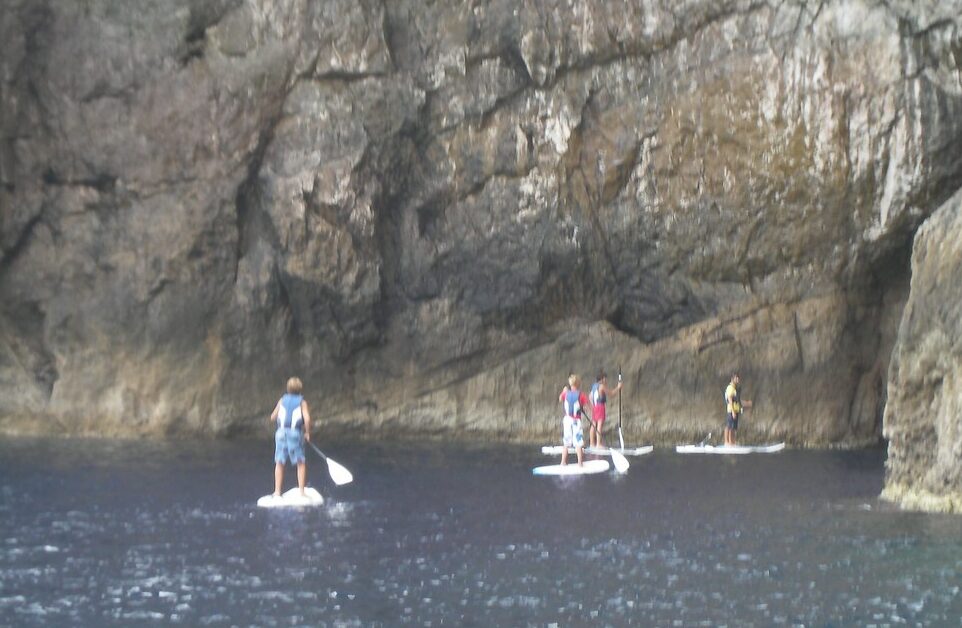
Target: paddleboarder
<point>734,406</point>
<point>572,435</point>
<point>599,399</point>
<point>293,419</point>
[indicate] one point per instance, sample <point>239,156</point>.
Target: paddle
<point>621,436</point>
<point>339,474</point>
<point>620,462</point>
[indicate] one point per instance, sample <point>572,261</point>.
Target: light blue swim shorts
<point>288,446</point>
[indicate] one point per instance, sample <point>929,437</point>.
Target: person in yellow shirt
<point>734,406</point>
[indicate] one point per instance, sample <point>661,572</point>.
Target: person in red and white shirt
<point>573,400</point>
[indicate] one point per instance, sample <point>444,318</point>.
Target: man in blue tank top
<point>599,400</point>
<point>293,427</point>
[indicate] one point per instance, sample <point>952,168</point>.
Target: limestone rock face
<point>433,212</point>
<point>923,417</point>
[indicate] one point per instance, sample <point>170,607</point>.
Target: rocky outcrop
<point>434,213</point>
<point>923,417</point>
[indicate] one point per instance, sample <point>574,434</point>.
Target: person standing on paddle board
<point>734,406</point>
<point>572,435</point>
<point>293,427</point>
<point>599,399</point>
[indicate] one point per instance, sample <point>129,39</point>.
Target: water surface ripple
<point>138,533</point>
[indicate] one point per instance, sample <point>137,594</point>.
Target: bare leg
<point>301,475</point>
<point>564,445</point>
<point>581,456</point>
<point>278,478</point>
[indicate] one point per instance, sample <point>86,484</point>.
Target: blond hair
<point>295,386</point>
<point>573,380</point>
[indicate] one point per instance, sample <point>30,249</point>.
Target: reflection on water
<point>114,533</point>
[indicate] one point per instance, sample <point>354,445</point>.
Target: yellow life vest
<point>732,401</point>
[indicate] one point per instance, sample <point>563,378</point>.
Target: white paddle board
<point>572,468</point>
<point>730,449</point>
<point>555,450</point>
<point>292,498</point>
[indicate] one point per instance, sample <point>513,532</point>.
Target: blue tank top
<point>573,403</point>
<point>289,414</point>
<point>597,397</point>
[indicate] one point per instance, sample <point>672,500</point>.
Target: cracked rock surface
<point>923,417</point>
<point>433,213</point>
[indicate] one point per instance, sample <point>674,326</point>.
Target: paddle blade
<point>621,463</point>
<point>339,474</point>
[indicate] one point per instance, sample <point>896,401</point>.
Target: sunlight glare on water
<point>110,533</point>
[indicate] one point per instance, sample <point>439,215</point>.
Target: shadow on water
<point>110,533</point>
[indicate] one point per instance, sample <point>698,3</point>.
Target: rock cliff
<point>923,417</point>
<point>433,212</point>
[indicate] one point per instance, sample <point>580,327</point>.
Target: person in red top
<point>572,435</point>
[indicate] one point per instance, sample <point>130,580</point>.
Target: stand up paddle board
<point>555,450</point>
<point>572,468</point>
<point>292,498</point>
<point>729,449</point>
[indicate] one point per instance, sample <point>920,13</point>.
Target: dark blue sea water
<point>108,533</point>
